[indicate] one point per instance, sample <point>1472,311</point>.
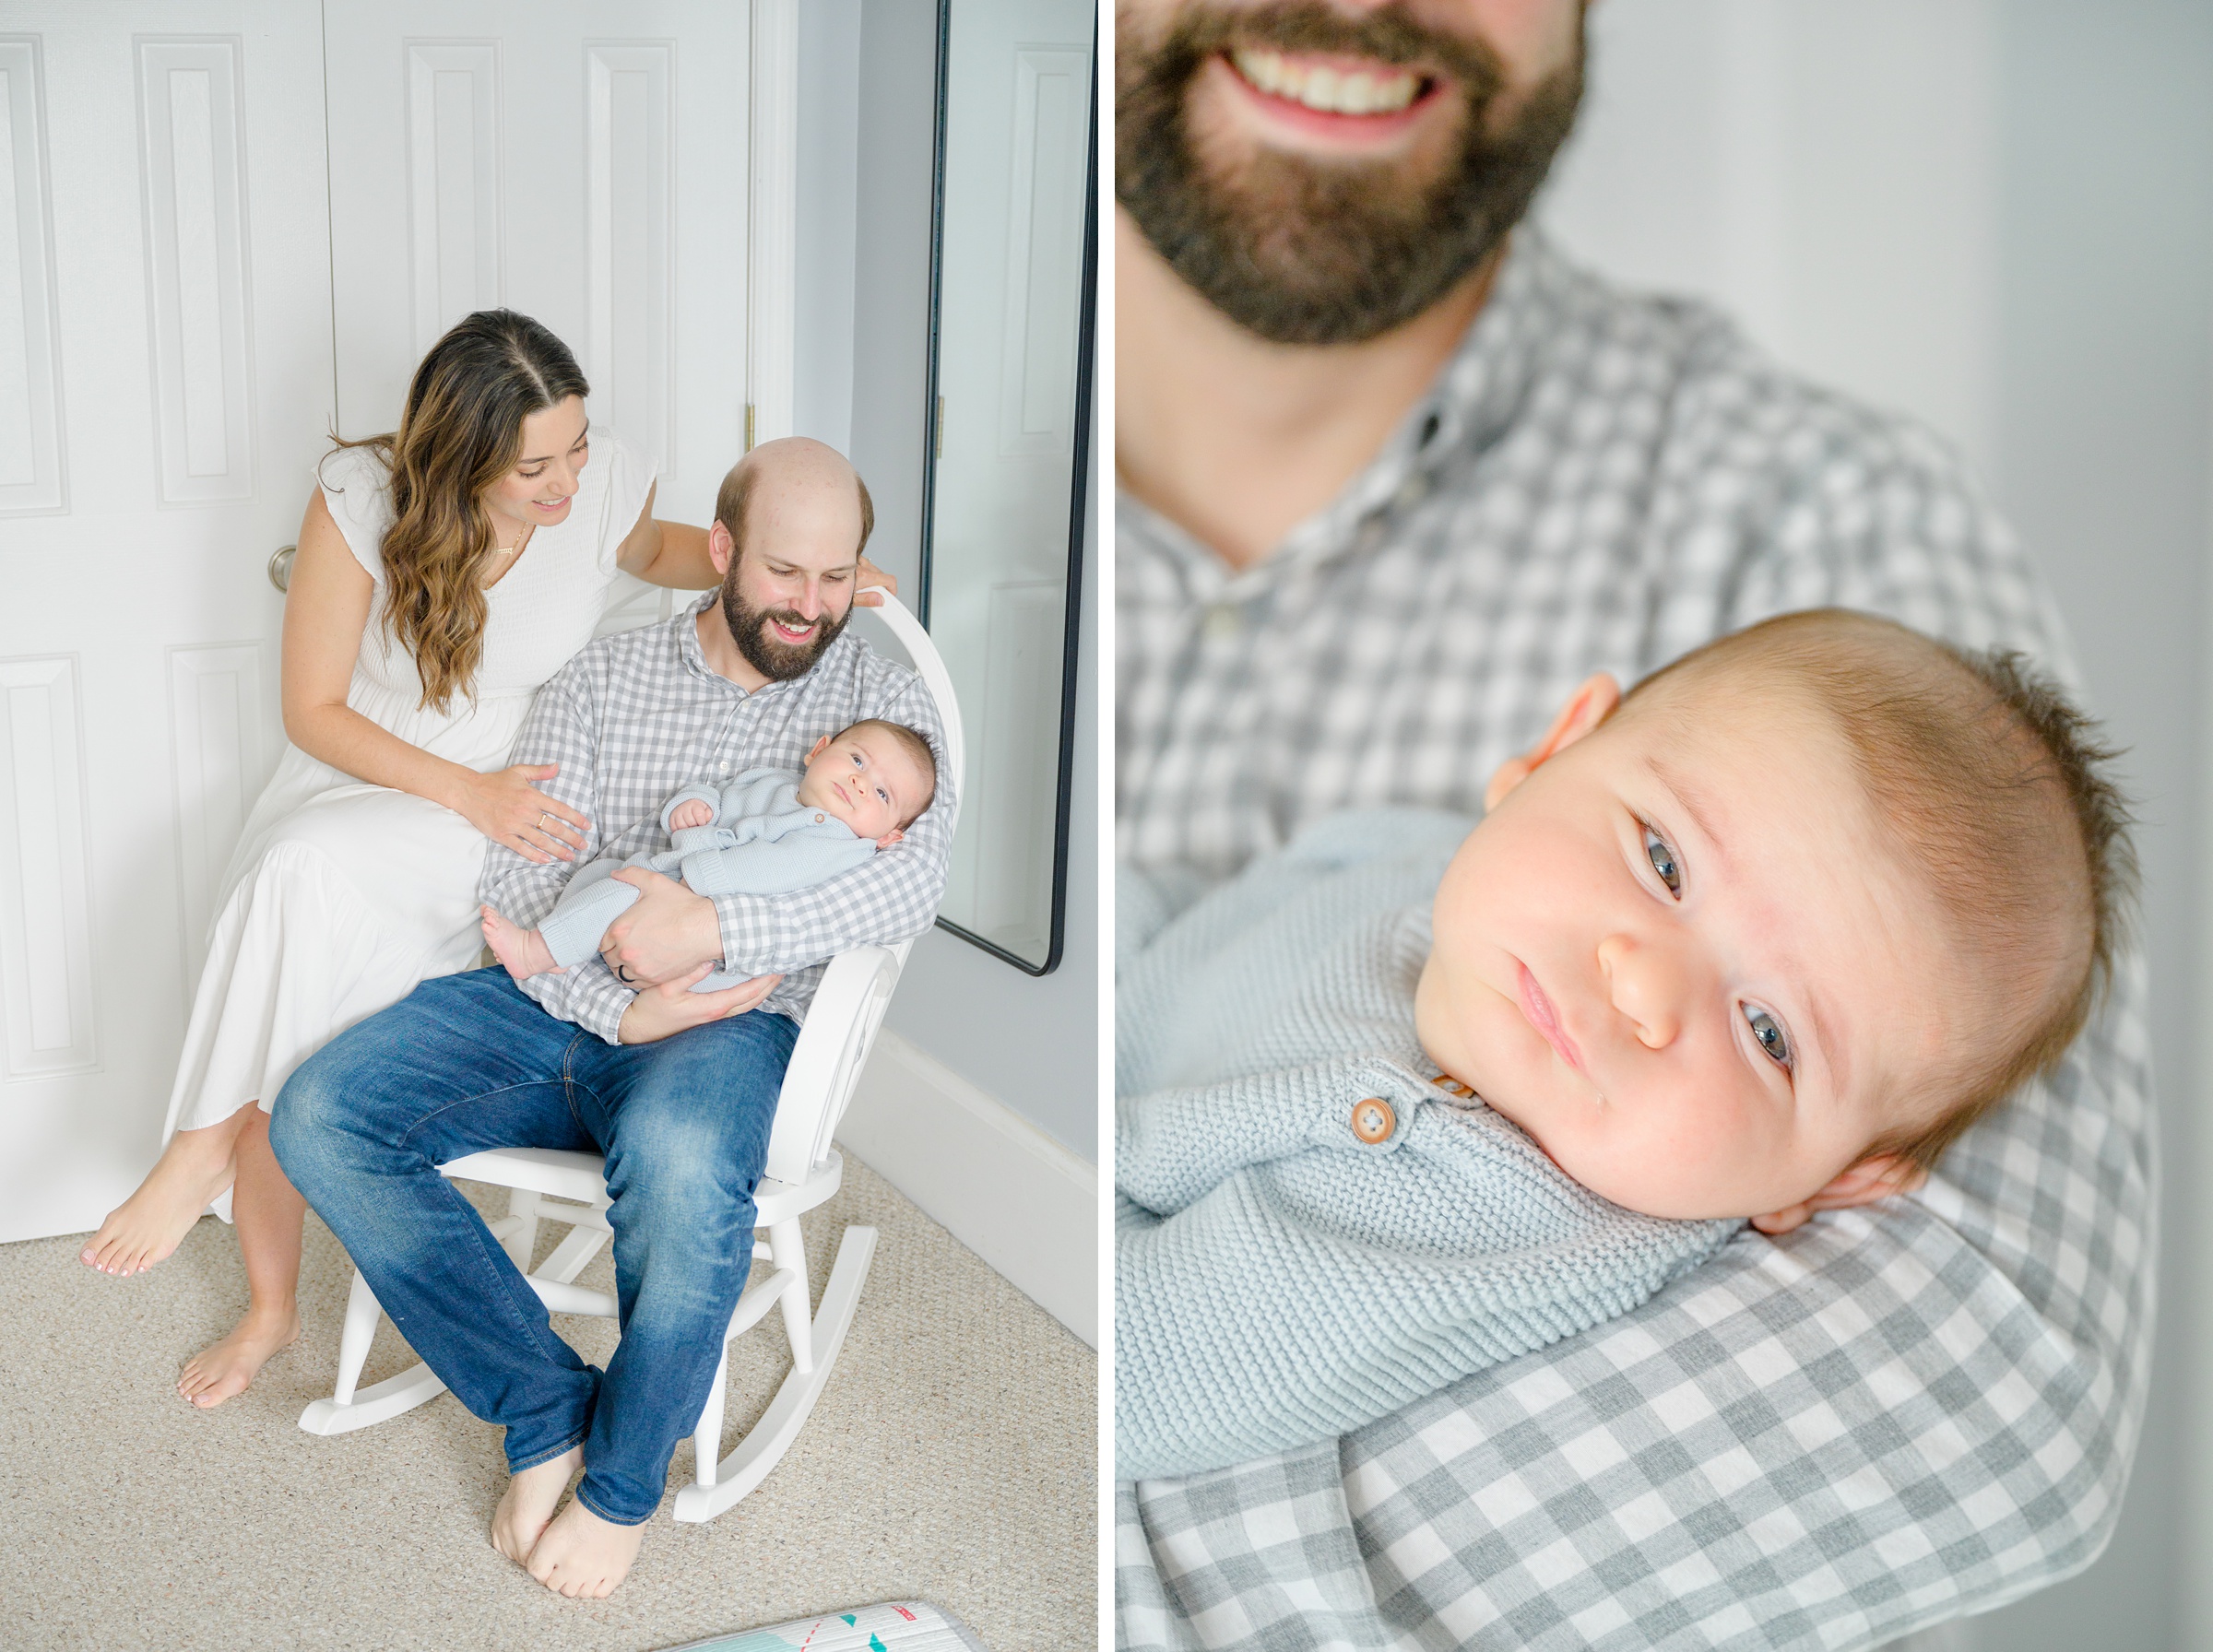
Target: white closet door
<point>583,161</point>
<point>165,386</point>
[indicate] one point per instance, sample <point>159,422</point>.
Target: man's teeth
<point>1325,89</point>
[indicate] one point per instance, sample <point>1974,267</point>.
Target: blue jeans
<point>467,1062</point>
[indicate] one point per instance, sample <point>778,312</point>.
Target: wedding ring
<point>542,820</point>
<point>623,974</point>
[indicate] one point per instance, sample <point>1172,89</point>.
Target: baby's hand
<point>691,813</point>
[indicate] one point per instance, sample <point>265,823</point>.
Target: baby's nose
<point>1645,986</point>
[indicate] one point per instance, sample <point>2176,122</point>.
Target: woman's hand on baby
<point>672,1006</point>
<point>508,808</point>
<point>691,813</point>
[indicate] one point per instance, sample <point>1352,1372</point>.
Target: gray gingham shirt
<point>638,715</point>
<point>1891,1416</point>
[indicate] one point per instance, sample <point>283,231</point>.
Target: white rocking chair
<point>803,1171</point>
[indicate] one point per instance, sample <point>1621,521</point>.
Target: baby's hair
<point>1996,789</point>
<point>915,747</point>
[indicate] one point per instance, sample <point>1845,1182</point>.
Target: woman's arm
<point>667,553</point>
<point>325,612</point>
<point>675,554</point>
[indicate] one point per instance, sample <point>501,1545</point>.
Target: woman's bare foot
<point>193,1168</point>
<point>583,1556</point>
<point>524,952</point>
<point>222,1370</point>
<point>528,1503</point>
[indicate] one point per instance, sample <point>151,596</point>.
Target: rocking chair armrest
<point>826,1062</point>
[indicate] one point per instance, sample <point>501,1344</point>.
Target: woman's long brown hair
<point>461,431</point>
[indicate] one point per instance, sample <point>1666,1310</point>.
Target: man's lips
<point>1547,1020</point>
<point>1331,100</point>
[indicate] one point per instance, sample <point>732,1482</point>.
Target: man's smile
<point>1339,98</point>
<point>1331,85</point>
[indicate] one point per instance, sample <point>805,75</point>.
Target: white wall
<point>828,218</point>
<point>1998,219</point>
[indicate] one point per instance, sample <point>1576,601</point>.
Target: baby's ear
<point>889,837</point>
<point>1590,705</point>
<point>1882,1176</point>
<point>816,749</point>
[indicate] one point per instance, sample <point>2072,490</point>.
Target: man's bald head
<point>795,485</point>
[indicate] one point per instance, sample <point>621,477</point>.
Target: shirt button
<point>1223,621</point>
<point>1373,1119</point>
<point>818,818</point>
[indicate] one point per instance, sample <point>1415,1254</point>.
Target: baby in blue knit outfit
<point>1756,940</point>
<point>767,831</point>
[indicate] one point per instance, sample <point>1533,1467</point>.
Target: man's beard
<point>1304,250</point>
<point>778,661</point>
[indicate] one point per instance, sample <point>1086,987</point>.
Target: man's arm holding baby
<point>671,932</point>
<point>562,729</point>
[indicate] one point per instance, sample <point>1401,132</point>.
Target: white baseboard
<point>995,1181</point>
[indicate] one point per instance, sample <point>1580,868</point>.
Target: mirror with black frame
<point>1011,300</point>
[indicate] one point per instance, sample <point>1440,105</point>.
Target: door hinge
<point>749,427</point>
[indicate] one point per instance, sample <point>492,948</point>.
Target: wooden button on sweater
<point>1373,1119</point>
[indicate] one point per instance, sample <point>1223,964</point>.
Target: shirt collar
<point>1472,402</point>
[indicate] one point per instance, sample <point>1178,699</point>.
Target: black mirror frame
<point>1079,493</point>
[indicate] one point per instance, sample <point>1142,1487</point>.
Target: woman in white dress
<point>443,573</point>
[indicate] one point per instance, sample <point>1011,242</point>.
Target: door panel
<point>30,410</point>
<point>167,257</point>
<point>588,170</point>
<point>167,385</point>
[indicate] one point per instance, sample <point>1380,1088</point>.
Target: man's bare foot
<point>528,1503</point>
<point>151,1223</point>
<point>583,1556</point>
<point>222,1370</point>
<point>524,952</point>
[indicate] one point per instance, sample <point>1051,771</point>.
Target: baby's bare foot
<point>528,1503</point>
<point>524,952</point>
<point>222,1371</point>
<point>583,1556</point>
<point>151,1223</point>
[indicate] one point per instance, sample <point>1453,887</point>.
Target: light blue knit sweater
<point>1277,1278</point>
<point>763,841</point>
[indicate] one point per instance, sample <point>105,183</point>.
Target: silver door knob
<point>280,566</point>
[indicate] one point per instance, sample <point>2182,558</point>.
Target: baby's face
<point>1679,957</point>
<point>865,778</point>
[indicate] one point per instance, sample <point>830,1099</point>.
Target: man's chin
<point>781,661</point>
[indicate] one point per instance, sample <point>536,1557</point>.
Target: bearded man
<point>1395,478</point>
<point>676,1089</point>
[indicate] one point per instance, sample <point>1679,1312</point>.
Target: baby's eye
<point>1664,861</point>
<point>883,796</point>
<point>1768,1034</point>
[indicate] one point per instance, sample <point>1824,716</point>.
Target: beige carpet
<point>952,1456</point>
